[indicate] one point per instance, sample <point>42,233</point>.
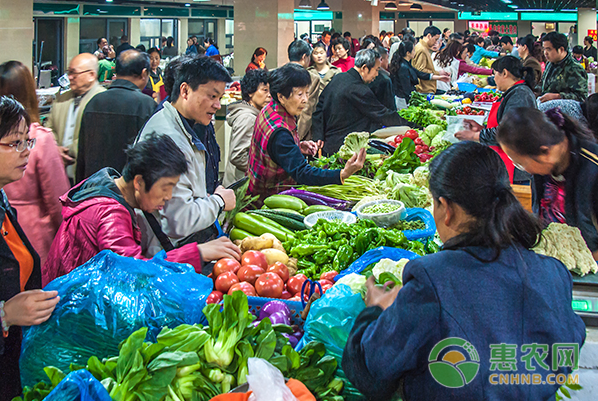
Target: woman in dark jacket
<point>404,76</point>
<point>465,308</point>
<point>563,160</point>
<point>22,303</point>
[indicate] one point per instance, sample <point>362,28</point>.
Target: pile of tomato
<point>254,277</point>
<point>468,111</point>
<point>486,97</point>
<point>421,149</point>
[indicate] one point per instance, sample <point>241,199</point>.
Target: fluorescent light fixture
<point>109,1</point>
<point>416,7</point>
<point>323,6</point>
<point>540,10</point>
<point>305,4</point>
<point>513,6</point>
<point>187,5</point>
<point>506,1</point>
<point>574,10</point>
<point>391,7</point>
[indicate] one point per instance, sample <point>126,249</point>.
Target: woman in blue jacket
<point>478,309</point>
<point>211,49</point>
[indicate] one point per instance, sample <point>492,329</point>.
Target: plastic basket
<point>374,256</point>
<point>482,90</point>
<point>256,304</point>
<point>425,216</point>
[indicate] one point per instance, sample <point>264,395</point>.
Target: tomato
<point>459,112</point>
<point>398,141</point>
<point>214,297</point>
<point>295,283</point>
<point>326,287</point>
<point>285,294</point>
<point>418,141</point>
<point>481,113</point>
<point>225,281</point>
<point>418,149</point>
<point>225,265</point>
<point>422,158</point>
<point>467,109</point>
<point>329,276</point>
<point>425,148</point>
<point>269,285</point>
<point>245,287</point>
<point>254,258</point>
<point>280,269</point>
<point>250,273</point>
<point>412,134</point>
<point>324,281</point>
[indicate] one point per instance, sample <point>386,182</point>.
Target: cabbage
<point>421,175</point>
<point>390,266</point>
<point>355,281</point>
<point>430,133</point>
<point>438,142</point>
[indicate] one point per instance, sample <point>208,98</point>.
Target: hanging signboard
<point>593,33</point>
<point>479,27</point>
<point>504,28</point>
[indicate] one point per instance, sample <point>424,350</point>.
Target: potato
<point>277,244</point>
<point>292,266</point>
<point>256,244</point>
<point>275,255</point>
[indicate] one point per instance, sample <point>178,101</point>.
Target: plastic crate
<point>426,217</point>
<point>256,304</point>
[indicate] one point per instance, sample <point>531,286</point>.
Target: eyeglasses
<point>20,146</point>
<point>75,73</point>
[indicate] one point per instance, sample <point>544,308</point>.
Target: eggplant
<point>273,307</point>
<point>382,146</point>
<point>316,199</point>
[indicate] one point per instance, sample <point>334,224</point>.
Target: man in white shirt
<point>67,109</point>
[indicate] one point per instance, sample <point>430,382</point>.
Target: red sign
<point>593,33</point>
<point>504,28</point>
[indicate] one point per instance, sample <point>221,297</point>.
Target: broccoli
<point>354,142</point>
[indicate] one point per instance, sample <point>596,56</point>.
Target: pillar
<point>524,28</point>
<point>135,33</point>
<point>221,35</point>
<point>71,38</point>
<point>183,35</point>
<point>586,20</point>
<point>460,25</point>
<point>16,22</point>
<point>360,18</point>
<point>263,23</point>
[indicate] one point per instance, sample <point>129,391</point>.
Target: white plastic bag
<point>266,382</point>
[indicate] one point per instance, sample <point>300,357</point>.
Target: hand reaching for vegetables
<point>353,165</point>
<point>218,249</point>
<point>309,148</point>
<point>468,135</point>
<point>228,196</point>
<point>381,297</point>
<point>30,308</point>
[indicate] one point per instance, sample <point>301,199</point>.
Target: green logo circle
<point>456,368</point>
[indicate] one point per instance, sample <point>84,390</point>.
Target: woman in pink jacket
<point>35,196</point>
<point>99,212</point>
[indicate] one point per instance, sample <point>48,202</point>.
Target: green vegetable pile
<point>381,208</point>
<point>335,162</point>
<point>333,245</point>
<point>424,116</point>
<point>403,160</point>
<point>405,225</point>
<point>192,362</point>
<point>354,189</point>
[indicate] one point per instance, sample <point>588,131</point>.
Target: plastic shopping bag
<point>103,302</point>
<point>330,321</point>
<point>79,385</point>
<point>266,382</point>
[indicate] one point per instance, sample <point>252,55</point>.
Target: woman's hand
<point>30,308</point>
<point>353,165</point>
<point>381,297</point>
<point>468,135</point>
<point>218,249</point>
<point>309,148</point>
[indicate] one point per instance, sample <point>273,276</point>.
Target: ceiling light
<point>506,1</point>
<point>305,4</point>
<point>513,6</point>
<point>391,7</point>
<point>108,1</point>
<point>416,7</point>
<point>536,9</point>
<point>187,5</point>
<point>323,6</point>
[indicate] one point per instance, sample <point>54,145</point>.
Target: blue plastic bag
<point>374,256</point>
<point>330,321</point>
<point>426,217</point>
<point>79,385</point>
<point>105,300</point>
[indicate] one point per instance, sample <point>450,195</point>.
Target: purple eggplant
<point>280,318</point>
<point>292,339</point>
<point>312,198</point>
<point>273,307</point>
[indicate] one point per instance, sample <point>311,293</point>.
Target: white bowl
<point>345,217</point>
<point>383,219</point>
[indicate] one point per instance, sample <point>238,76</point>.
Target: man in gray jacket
<point>196,94</point>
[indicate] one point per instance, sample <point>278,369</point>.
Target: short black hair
<point>506,40</point>
<point>557,40</point>
<point>432,30</point>
<point>154,50</point>
<point>577,49</point>
<point>99,40</point>
<point>344,42</point>
<point>199,71</point>
<point>470,48</point>
<point>284,79</point>
<point>479,40</point>
<point>326,33</point>
<point>445,30</point>
<point>589,39</point>
<point>297,49</point>
<point>346,34</point>
<point>131,63</point>
<point>171,71</point>
<point>495,40</point>
<point>140,47</point>
<point>169,41</point>
<point>455,36</point>
<point>381,50</point>
<point>251,82</point>
<point>11,114</point>
<point>157,156</point>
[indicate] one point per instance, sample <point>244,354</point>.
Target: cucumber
<point>285,202</point>
<point>317,208</point>
<point>257,225</point>
<point>287,220</point>
<point>271,223</point>
<point>236,234</point>
<point>287,211</point>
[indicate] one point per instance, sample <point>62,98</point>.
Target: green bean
<point>381,208</point>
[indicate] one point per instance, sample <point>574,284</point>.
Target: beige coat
<point>241,118</point>
<point>304,123</point>
<point>59,114</point>
<point>422,60</point>
<point>325,79</point>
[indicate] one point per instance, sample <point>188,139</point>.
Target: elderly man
<point>67,109</point>
<point>113,119</point>
<point>348,105</point>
